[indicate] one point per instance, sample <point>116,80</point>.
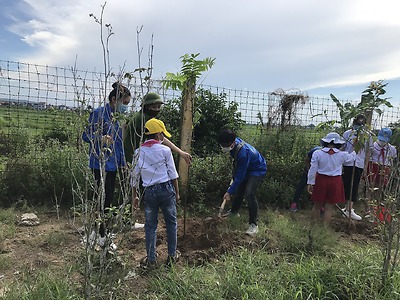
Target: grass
<point>7,216</point>
<point>259,275</point>
<point>286,267</point>
<point>42,286</point>
<point>7,223</point>
<point>5,261</point>
<point>36,122</point>
<point>278,263</point>
<point>55,239</point>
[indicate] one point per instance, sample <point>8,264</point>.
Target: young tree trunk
<point>186,134</point>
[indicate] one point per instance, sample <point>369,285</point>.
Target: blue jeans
<point>247,190</point>
<point>162,196</point>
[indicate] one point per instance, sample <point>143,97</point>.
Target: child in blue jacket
<point>249,168</point>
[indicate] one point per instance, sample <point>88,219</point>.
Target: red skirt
<point>378,174</point>
<point>328,189</point>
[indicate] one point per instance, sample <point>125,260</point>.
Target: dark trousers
<point>247,190</point>
<point>349,174</point>
<point>109,188</point>
<point>301,185</point>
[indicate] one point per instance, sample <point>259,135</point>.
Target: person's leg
<point>238,198</point>
<point>347,182</point>
<point>151,214</point>
<point>250,195</point>
<point>315,213</point>
<point>109,186</point>
<point>351,180</point>
<point>354,196</point>
<point>168,207</point>
<point>124,186</point>
<point>108,200</point>
<point>300,187</point>
<point>328,211</point>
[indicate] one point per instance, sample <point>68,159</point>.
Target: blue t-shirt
<point>249,163</point>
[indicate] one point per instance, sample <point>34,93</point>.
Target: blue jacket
<point>101,123</point>
<point>249,162</point>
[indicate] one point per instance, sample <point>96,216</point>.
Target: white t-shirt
<point>388,154</point>
<point>154,163</point>
<point>328,164</point>
<point>350,137</point>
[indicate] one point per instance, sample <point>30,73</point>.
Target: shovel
<point>221,208</point>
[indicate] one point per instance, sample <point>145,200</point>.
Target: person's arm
<point>135,199</point>
<point>368,152</point>
<point>176,187</point>
<point>312,172</point>
<point>186,156</point>
<point>172,173</point>
<point>243,161</point>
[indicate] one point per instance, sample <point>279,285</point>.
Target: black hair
<point>122,91</point>
<point>226,137</point>
<point>326,144</point>
<point>149,136</point>
<point>359,120</point>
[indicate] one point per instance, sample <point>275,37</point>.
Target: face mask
<point>122,108</point>
<point>151,112</point>
<point>227,149</point>
<point>382,143</point>
<point>356,127</point>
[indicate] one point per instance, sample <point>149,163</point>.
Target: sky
<point>317,47</point>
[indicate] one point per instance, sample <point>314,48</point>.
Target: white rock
<point>29,219</point>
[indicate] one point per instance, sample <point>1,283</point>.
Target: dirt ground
<point>55,243</point>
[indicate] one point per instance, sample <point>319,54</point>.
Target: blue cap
<point>385,134</point>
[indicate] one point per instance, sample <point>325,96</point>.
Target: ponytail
<point>119,91</point>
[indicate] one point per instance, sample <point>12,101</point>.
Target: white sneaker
<point>253,229</point>
<point>353,215</point>
<point>113,247</point>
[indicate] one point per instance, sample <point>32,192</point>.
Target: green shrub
<point>46,171</point>
<point>209,179</point>
<point>211,113</point>
<point>284,152</point>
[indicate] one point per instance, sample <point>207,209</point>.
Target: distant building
<point>39,105</point>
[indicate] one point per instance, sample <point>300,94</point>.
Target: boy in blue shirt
<point>249,168</point>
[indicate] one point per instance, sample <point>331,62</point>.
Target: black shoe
<point>171,260</point>
<point>148,265</point>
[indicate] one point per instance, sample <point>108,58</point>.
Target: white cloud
<point>258,44</point>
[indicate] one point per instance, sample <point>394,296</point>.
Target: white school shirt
<point>328,164</point>
<point>154,163</point>
<point>389,153</point>
<point>350,137</point>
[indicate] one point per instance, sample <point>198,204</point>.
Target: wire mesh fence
<point>39,99</point>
